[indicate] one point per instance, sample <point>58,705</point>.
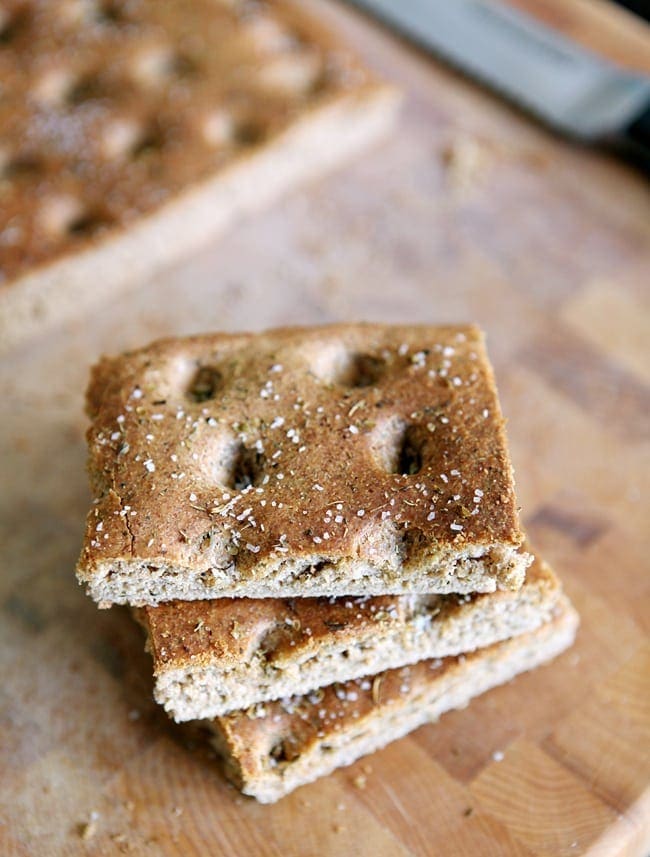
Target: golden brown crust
<point>231,454</point>
<point>110,110</point>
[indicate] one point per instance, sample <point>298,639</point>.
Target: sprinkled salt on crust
<point>130,133</point>
<point>211,657</point>
<point>341,460</point>
<point>274,747</point>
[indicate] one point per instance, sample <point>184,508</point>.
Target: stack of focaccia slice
<point>318,530</point>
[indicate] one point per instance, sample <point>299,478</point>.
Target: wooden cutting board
<point>468,212</point>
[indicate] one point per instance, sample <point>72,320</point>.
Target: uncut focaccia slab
<point>132,132</point>
<point>342,460</point>
<point>211,657</point>
<point>274,747</point>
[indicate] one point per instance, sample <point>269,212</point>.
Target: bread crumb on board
<point>87,829</point>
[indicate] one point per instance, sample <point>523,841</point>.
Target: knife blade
<point>563,84</point>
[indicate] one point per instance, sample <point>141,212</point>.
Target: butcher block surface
<point>468,212</point>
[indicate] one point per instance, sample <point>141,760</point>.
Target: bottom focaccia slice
<point>212,657</point>
<point>273,748</point>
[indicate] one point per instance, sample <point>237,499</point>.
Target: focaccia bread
<point>341,460</point>
<point>274,747</point>
<point>130,133</point>
<point>211,657</point>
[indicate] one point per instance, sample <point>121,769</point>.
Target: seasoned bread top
<point>110,108</point>
<point>239,452</point>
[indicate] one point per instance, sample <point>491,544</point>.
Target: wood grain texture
<point>469,212</point>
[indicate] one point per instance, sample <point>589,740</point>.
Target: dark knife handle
<point>635,140</point>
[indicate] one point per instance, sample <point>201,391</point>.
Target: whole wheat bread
<point>341,460</point>
<point>211,657</point>
<point>274,747</point>
<point>130,133</point>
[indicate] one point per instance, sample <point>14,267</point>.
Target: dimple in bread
<point>211,657</point>
<point>341,460</point>
<point>130,133</point>
<point>275,747</point>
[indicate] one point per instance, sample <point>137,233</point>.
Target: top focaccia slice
<point>340,460</point>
